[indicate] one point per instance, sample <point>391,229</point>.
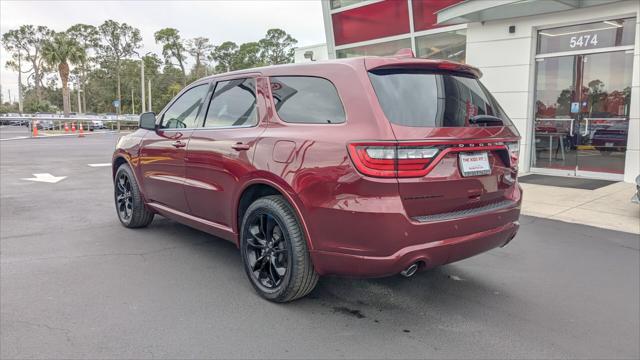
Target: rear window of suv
<point>428,99</point>
<point>306,99</point>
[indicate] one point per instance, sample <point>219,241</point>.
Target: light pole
<point>142,94</point>
<point>79,101</point>
<point>142,110</point>
<point>20,107</point>
<point>150,95</point>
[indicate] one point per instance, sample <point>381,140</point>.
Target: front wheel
<point>274,251</point>
<point>129,204</point>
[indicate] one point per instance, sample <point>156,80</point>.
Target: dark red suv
<point>361,167</point>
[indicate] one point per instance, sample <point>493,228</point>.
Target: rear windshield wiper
<point>486,120</point>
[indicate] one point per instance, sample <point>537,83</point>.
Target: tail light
<point>391,159</point>
<point>514,152</point>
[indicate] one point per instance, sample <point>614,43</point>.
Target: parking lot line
<point>100,164</point>
<point>15,138</point>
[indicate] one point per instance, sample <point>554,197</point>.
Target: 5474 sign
<point>583,41</point>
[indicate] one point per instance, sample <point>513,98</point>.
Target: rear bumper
<point>429,255</point>
<point>386,244</point>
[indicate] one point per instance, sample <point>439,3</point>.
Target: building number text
<point>583,41</point>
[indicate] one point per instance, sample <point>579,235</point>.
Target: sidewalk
<point>608,207</point>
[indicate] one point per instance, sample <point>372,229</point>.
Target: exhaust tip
<point>410,271</point>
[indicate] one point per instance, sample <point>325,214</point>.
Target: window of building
<point>602,34</point>
<point>372,21</point>
<point>233,104</point>
<point>380,49</point>
<point>183,112</point>
<point>424,13</point>
<point>336,4</point>
<point>305,99</point>
<point>450,45</point>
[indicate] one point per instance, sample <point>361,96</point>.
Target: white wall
<point>508,63</point>
<point>319,53</point>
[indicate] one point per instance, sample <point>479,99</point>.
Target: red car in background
<point>363,167</point>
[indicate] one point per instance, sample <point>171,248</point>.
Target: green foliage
<point>172,48</point>
<point>224,55</point>
<point>106,63</point>
<point>59,51</point>
<point>9,107</point>
<point>33,105</point>
<point>26,42</point>
<point>248,56</point>
<point>277,47</point>
<point>119,41</point>
<point>61,48</point>
<point>199,47</point>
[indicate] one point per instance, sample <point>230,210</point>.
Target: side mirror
<point>147,121</point>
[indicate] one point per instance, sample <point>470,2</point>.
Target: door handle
<point>178,144</point>
<point>586,127</point>
<point>571,128</point>
<point>240,146</point>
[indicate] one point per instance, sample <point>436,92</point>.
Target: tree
<point>89,38</point>
<point>277,47</point>
<point>120,41</point>
<point>28,40</point>
<point>247,56</point>
<point>60,51</point>
<point>199,47</point>
<point>224,55</point>
<point>172,48</point>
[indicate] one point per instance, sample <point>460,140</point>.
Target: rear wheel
<point>274,251</point>
<point>129,204</point>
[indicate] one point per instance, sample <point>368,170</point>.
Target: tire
<point>284,249</point>
<point>131,211</point>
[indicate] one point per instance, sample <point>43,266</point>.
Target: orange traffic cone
<point>66,127</point>
<point>80,133</point>
<point>73,127</point>
<point>34,125</point>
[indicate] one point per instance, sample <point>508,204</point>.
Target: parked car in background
<point>362,167</point>
<point>611,138</point>
<point>45,124</point>
<point>96,124</point>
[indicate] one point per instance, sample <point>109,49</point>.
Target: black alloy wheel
<point>274,251</point>
<point>124,198</point>
<point>130,206</point>
<point>267,253</point>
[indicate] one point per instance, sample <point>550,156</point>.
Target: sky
<point>239,21</point>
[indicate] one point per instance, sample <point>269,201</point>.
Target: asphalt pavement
<point>74,283</point>
<point>8,132</point>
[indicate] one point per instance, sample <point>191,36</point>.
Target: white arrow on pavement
<point>46,177</point>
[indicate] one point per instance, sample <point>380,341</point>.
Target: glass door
<point>582,114</point>
<point>604,113</point>
<point>555,119</point>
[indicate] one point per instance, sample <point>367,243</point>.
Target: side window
<point>184,111</point>
<point>306,99</point>
<point>233,104</point>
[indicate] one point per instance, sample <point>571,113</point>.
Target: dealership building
<point>567,72</point>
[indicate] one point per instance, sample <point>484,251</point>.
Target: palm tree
<point>60,51</point>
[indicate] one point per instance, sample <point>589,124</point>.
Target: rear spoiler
<point>374,63</point>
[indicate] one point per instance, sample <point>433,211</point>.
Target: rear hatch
<point>456,149</point>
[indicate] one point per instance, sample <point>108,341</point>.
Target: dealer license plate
<point>474,164</point>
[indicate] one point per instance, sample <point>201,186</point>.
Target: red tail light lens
<point>514,153</point>
<point>391,160</point>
